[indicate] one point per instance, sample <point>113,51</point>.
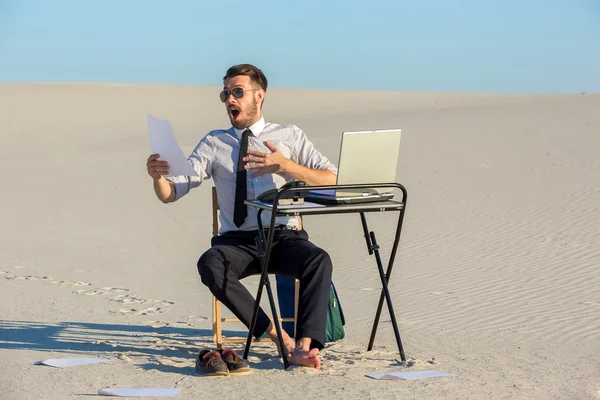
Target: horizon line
<point>116,83</point>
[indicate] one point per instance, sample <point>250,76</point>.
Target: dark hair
<point>255,74</point>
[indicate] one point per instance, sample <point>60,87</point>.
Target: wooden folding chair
<point>217,320</point>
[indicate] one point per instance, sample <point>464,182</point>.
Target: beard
<point>245,117</point>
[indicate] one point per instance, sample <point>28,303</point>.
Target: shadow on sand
<point>178,345</point>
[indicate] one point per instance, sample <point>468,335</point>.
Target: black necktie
<point>239,210</point>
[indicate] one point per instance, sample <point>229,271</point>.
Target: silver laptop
<point>365,157</point>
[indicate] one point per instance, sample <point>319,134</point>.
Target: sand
<point>496,280</point>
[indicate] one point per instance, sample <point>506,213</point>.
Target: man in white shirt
<point>245,160</point>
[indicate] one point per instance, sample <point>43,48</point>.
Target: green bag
<point>335,318</point>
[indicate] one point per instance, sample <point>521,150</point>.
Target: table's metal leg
<point>384,283</point>
<point>260,243</point>
<point>363,219</point>
<point>256,301</point>
<point>277,325</point>
<point>387,278</point>
<point>264,246</point>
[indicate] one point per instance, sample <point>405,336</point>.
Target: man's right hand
<point>156,167</point>
<point>162,187</point>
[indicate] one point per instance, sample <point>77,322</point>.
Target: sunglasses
<point>237,92</point>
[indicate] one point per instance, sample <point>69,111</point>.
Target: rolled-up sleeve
<point>201,160</point>
<point>307,154</point>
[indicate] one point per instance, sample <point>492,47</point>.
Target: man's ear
<point>260,97</point>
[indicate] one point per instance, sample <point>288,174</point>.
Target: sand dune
<point>496,280</point>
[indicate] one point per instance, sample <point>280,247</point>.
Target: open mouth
<point>234,112</point>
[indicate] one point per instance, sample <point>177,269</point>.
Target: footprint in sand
<point>443,293</point>
<point>71,283</point>
<point>155,324</point>
<point>128,299</point>
<point>178,324</point>
<point>27,278</point>
<point>196,318</point>
<point>189,322</point>
<point>141,311</point>
<point>104,290</point>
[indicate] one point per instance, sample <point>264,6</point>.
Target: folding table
<point>265,245</point>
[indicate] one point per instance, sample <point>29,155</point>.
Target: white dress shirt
<point>216,156</point>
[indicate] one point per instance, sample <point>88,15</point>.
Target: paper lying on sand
<point>140,392</point>
<point>163,142</point>
<point>408,375</point>
<point>70,362</point>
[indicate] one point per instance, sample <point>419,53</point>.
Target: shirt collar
<point>256,128</point>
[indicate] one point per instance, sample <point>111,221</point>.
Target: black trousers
<point>234,256</point>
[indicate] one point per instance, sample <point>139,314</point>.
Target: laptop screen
<point>368,157</point>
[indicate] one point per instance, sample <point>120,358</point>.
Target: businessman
<point>250,157</point>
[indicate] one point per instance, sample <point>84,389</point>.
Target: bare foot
<point>288,342</point>
<point>306,358</point>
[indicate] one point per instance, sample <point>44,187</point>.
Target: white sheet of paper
<point>163,142</point>
<point>140,392</point>
<point>408,375</point>
<point>70,362</point>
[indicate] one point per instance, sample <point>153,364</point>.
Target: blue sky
<point>419,45</point>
